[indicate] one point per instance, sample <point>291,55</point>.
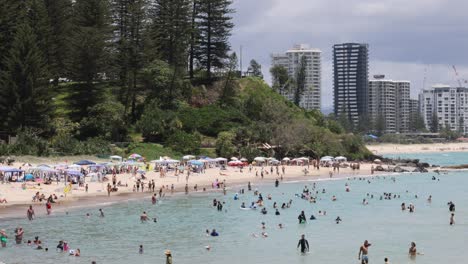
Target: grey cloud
<point>405,36</point>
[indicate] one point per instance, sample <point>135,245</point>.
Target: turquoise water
<point>441,158</point>
<point>183,221</point>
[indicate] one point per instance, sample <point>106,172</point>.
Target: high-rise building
<point>291,60</point>
<point>389,104</point>
<point>351,68</point>
<point>446,105</point>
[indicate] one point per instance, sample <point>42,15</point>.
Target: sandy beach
<point>18,199</point>
<point>382,149</point>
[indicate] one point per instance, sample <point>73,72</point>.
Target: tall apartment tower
<point>291,60</point>
<point>389,102</point>
<point>351,69</point>
<point>448,104</point>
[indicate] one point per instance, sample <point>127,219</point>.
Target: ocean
<point>182,221</point>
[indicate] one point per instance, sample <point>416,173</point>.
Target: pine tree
<point>300,81</point>
<point>171,31</point>
<point>130,17</point>
<point>90,51</point>
<point>59,14</point>
<point>255,69</point>
<point>214,26</point>
<point>24,92</point>
<point>11,12</point>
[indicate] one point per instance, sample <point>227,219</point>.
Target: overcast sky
<point>406,37</point>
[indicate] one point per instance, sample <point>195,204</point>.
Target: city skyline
<point>405,39</point>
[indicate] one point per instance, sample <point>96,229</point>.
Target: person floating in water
<point>277,212</point>
<point>304,244</point>
<point>363,251</point>
<point>214,233</point>
<point>264,211</point>
<point>338,220</point>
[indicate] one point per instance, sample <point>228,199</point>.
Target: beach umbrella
<point>377,161</point>
<point>134,156</point>
<point>85,162</point>
<point>221,159</point>
<point>188,157</point>
<point>286,159</point>
<point>243,159</point>
<point>234,159</point>
<point>74,166</point>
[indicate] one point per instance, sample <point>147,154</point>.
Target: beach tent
<point>260,159</point>
<point>195,162</point>
<point>115,158</point>
<point>274,161</point>
<point>286,159</point>
<point>327,159</point>
<point>243,160</point>
<point>85,162</point>
<point>74,166</point>
<point>74,173</point>
<point>234,159</point>
<point>188,157</point>
<point>377,161</point>
<point>28,177</point>
<point>341,159</point>
<point>221,159</point>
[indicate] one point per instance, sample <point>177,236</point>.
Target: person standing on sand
<point>304,244</point>
<point>186,188</point>
<point>363,251</point>
<point>168,256</point>
<point>109,189</point>
<point>452,219</point>
<point>30,213</point>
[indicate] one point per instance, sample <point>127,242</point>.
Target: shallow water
<point>183,221</point>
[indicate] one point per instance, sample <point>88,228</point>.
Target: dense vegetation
<point>149,76</point>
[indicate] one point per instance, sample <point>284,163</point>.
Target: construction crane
<point>457,76</point>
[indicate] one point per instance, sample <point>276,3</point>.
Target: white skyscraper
<point>389,101</point>
<point>291,60</point>
<point>449,105</point>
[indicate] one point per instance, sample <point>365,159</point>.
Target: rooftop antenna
<point>240,57</point>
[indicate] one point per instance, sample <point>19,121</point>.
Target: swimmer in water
<point>363,251</point>
<point>304,244</point>
<point>280,226</point>
<point>101,213</point>
<point>412,251</point>
<point>338,220</point>
<point>243,205</point>
<point>143,217</point>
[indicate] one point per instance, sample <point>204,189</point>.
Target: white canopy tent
<point>116,158</point>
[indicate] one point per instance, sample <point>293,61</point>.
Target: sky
<point>414,40</point>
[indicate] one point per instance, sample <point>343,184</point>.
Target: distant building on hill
<point>291,60</point>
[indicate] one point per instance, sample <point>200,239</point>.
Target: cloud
<point>405,37</point>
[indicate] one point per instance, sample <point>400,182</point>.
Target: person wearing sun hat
<point>168,256</point>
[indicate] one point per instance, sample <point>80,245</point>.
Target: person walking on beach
<point>304,244</point>
<point>168,256</point>
<point>452,219</point>
<point>186,188</point>
<point>109,189</point>
<point>30,213</point>
<point>363,251</point>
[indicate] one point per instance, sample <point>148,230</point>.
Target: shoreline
<point>18,210</point>
<point>390,148</point>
